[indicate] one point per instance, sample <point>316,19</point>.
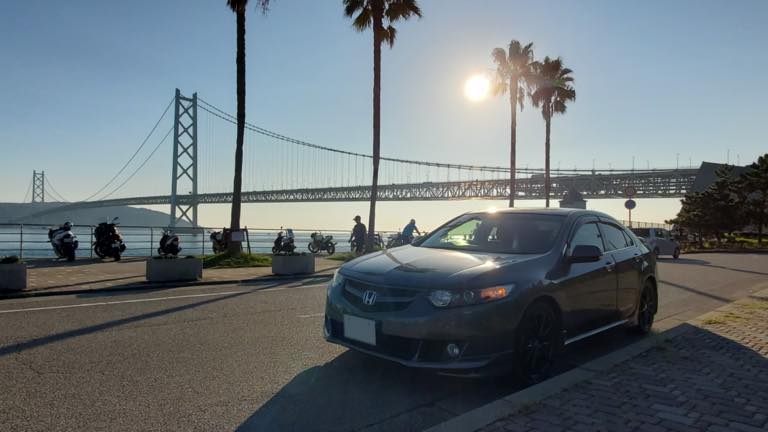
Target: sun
<point>477,87</point>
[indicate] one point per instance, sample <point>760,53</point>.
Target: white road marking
<point>121,301</point>
<point>312,315</point>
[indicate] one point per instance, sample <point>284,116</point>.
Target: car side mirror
<point>585,253</point>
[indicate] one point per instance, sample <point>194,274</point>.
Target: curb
<point>508,405</point>
<point>145,286</point>
<point>726,251</point>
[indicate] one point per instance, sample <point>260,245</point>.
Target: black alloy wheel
<point>538,340</point>
<point>646,309</point>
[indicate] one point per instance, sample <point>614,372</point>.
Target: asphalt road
<point>252,357</point>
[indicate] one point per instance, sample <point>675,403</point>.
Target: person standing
<point>408,231</point>
<point>358,235</point>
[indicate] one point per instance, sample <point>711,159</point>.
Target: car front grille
<point>387,299</point>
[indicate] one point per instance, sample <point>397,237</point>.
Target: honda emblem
<point>369,298</point>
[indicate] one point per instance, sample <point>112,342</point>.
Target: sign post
<point>630,204</point>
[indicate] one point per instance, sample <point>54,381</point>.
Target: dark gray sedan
<point>506,288</point>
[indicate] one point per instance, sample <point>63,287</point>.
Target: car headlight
<point>444,298</point>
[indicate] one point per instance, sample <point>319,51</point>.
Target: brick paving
<point>713,377</point>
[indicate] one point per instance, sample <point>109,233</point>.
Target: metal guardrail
<point>31,240</point>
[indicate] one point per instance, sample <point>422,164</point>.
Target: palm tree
<point>552,89</point>
<point>239,7</point>
<point>375,14</point>
<point>513,69</point>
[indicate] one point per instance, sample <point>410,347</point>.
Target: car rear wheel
<point>676,253</point>
<point>646,310</point>
<point>537,343</point>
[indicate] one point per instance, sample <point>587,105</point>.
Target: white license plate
<point>360,329</point>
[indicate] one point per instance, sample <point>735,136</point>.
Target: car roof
<point>549,211</point>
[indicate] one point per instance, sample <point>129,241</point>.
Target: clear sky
<point>83,81</point>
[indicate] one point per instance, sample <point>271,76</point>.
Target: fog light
<point>453,350</point>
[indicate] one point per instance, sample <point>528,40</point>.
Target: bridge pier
<point>184,170</point>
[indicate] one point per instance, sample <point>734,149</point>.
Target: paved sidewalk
<point>94,274</point>
<point>711,377</point>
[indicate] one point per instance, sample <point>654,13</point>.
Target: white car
<point>659,240</point>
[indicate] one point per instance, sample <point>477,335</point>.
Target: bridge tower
<point>38,187</point>
<point>184,170</point>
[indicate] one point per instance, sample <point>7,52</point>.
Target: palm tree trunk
<point>547,181</point>
<point>235,247</point>
<point>512,140</point>
<point>377,27</point>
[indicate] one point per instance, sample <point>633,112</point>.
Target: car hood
<point>421,267</point>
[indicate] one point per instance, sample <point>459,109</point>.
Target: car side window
<point>587,234</point>
<point>628,238</point>
<point>613,237</point>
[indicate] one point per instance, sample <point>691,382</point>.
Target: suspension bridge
<point>278,168</point>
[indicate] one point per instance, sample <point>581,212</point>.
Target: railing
<point>31,240</point>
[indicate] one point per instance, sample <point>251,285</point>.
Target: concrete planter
<point>172,270</point>
<point>293,264</point>
<point>13,277</point>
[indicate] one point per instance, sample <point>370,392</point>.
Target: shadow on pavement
<point>53,287</point>
<point>697,291</point>
<point>58,337</point>
<point>357,392</point>
<point>704,263</point>
<point>48,263</point>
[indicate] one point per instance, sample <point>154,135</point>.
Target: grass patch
<point>343,256</point>
<point>244,260</point>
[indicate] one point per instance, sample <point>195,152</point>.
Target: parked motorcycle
<point>219,240</point>
<point>378,243</point>
<point>109,241</point>
<point>284,244</point>
<point>170,244</point>
<point>396,240</point>
<point>64,241</point>
<point>321,243</point>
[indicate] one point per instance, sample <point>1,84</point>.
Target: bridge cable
<point>54,191</point>
<point>140,166</point>
<point>135,153</point>
<point>29,188</point>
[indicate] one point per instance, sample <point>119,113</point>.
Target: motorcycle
<point>109,241</point>
<point>284,244</point>
<point>64,241</point>
<point>378,243</point>
<point>321,243</point>
<point>398,239</point>
<point>219,240</point>
<point>169,244</point>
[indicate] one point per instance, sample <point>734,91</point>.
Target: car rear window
<point>498,233</point>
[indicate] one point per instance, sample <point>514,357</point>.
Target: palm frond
<point>352,6</point>
<point>499,57</point>
<point>401,9</point>
<point>363,20</point>
<point>237,5</point>
<point>388,35</point>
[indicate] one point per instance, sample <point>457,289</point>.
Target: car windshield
<point>509,233</point>
<point>641,232</point>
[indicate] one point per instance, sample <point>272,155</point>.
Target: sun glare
<point>477,87</point>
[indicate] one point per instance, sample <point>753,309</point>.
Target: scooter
<point>284,244</point>
<point>219,240</point>
<point>321,243</point>
<point>169,244</point>
<point>396,240</point>
<point>64,241</point>
<point>109,241</point>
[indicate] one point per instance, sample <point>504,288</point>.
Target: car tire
<point>646,309</point>
<point>538,340</point>
<point>676,253</point>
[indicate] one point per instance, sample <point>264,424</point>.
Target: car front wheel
<point>646,310</point>
<point>537,343</point>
